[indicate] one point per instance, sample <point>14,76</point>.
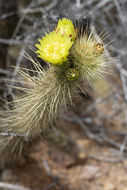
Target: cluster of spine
<point>74,61</point>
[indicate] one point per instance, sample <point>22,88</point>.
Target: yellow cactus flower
<point>72,74</point>
<point>98,48</point>
<point>66,28</point>
<point>54,48</point>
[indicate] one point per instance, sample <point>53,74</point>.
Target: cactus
<point>75,61</point>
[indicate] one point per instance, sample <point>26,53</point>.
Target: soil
<point>66,172</point>
<point>57,165</point>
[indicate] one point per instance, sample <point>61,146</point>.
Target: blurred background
<point>88,151</point>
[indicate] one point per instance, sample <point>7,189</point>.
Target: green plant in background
<point>74,63</point>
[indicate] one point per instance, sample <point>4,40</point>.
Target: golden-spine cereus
<point>75,61</point>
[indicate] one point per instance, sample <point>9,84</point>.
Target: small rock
<point>6,176</point>
<point>82,156</point>
<point>109,186</point>
<point>90,172</point>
